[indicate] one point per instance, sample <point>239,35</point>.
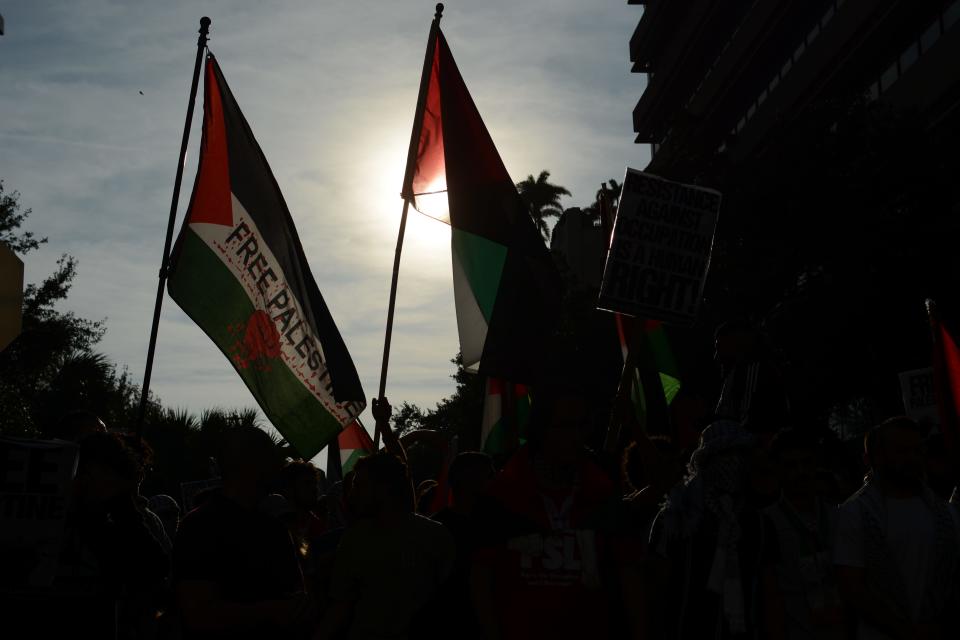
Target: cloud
<point>329,90</point>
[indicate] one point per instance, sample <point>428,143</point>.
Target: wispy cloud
<point>329,90</point>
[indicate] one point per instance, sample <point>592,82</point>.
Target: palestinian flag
<point>654,358</point>
<point>946,379</point>
<point>506,287</point>
<point>239,271</point>
<point>354,443</point>
<point>506,416</point>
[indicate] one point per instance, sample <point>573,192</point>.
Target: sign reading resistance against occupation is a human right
<point>660,249</point>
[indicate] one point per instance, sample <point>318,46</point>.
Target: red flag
<point>946,376</point>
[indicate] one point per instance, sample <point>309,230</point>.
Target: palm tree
<point>542,200</point>
<point>613,192</point>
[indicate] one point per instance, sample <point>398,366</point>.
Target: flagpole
<point>152,345</point>
<point>407,195</point>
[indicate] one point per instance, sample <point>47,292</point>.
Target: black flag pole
<point>151,348</point>
<point>407,196</point>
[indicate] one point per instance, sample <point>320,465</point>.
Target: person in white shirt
<point>897,548</point>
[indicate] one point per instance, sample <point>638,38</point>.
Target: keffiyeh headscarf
<point>715,484</point>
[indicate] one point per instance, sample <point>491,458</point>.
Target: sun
<point>425,233</point>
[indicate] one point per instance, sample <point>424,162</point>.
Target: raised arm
<point>381,413</point>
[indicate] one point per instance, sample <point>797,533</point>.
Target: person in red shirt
<point>235,568</point>
<point>541,575</point>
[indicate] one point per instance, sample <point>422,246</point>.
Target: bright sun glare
<point>425,237</point>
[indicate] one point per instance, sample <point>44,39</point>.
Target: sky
<point>329,89</point>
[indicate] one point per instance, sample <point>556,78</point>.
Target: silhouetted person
<point>168,511</point>
<point>801,598</point>
<point>236,573</point>
<point>300,485</point>
<point>469,477</point>
<point>544,579</point>
<point>391,562</point>
<point>707,541</point>
<point>898,545</point>
<point>110,551</point>
<point>645,479</point>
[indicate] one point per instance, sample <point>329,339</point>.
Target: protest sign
<point>660,249</point>
<point>919,399</point>
<point>35,481</point>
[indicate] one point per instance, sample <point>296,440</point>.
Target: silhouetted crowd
<point>749,533</point>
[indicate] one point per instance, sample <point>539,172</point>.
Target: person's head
<point>168,511</point>
<point>248,459</point>
<point>632,473</point>
<point>380,484</point>
<point>469,476</point>
<point>794,455</point>
<point>558,422</point>
<point>141,449</point>
<point>735,342</point>
<point>723,457</point>
<point>107,467</point>
<point>426,492</point>
<point>894,451</point>
<point>75,425</point>
<point>300,484</point>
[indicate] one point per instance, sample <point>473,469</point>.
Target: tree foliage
<point>11,219</point>
<point>457,414</point>
<point>52,368</point>
<point>542,199</point>
<point>51,364</point>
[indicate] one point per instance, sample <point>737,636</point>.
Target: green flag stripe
<point>482,261</point>
<point>496,441</point>
<point>662,353</point>
<point>671,387</point>
<point>349,463</point>
<point>293,410</point>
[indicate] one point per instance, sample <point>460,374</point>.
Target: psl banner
<point>35,483</point>
<point>660,249</point>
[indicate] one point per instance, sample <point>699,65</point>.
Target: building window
<point>909,56</point>
<point>931,35</point>
<point>889,77</point>
<point>951,14</point>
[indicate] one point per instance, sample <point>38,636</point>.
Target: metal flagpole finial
<point>439,13</point>
<point>204,30</point>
